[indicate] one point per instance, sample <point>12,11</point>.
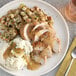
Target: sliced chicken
<point>23,32</point>
<point>47,38</point>
<point>50,21</point>
<point>40,25</point>
<point>37,30</point>
<point>45,28</point>
<point>52,31</point>
<point>39,59</point>
<point>38,34</point>
<point>38,47</point>
<point>30,33</point>
<point>26,32</point>
<point>56,46</point>
<point>41,52</point>
<point>47,52</point>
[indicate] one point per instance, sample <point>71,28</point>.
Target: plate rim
<point>67,29</point>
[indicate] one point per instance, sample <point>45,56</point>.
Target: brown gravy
<point>33,65</point>
<point>7,53</point>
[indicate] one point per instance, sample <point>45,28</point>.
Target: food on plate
<point>56,45</point>
<point>39,59</point>
<point>13,63</point>
<point>33,65</point>
<point>41,52</point>
<point>15,54</point>
<point>31,37</point>
<point>8,34</point>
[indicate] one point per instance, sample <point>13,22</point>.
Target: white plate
<point>60,27</point>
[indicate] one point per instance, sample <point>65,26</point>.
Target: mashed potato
<point>23,44</point>
<point>14,63</point>
<point>16,60</point>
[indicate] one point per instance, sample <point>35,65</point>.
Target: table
<point>72,29</point>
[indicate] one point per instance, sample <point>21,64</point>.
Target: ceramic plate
<point>60,27</point>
